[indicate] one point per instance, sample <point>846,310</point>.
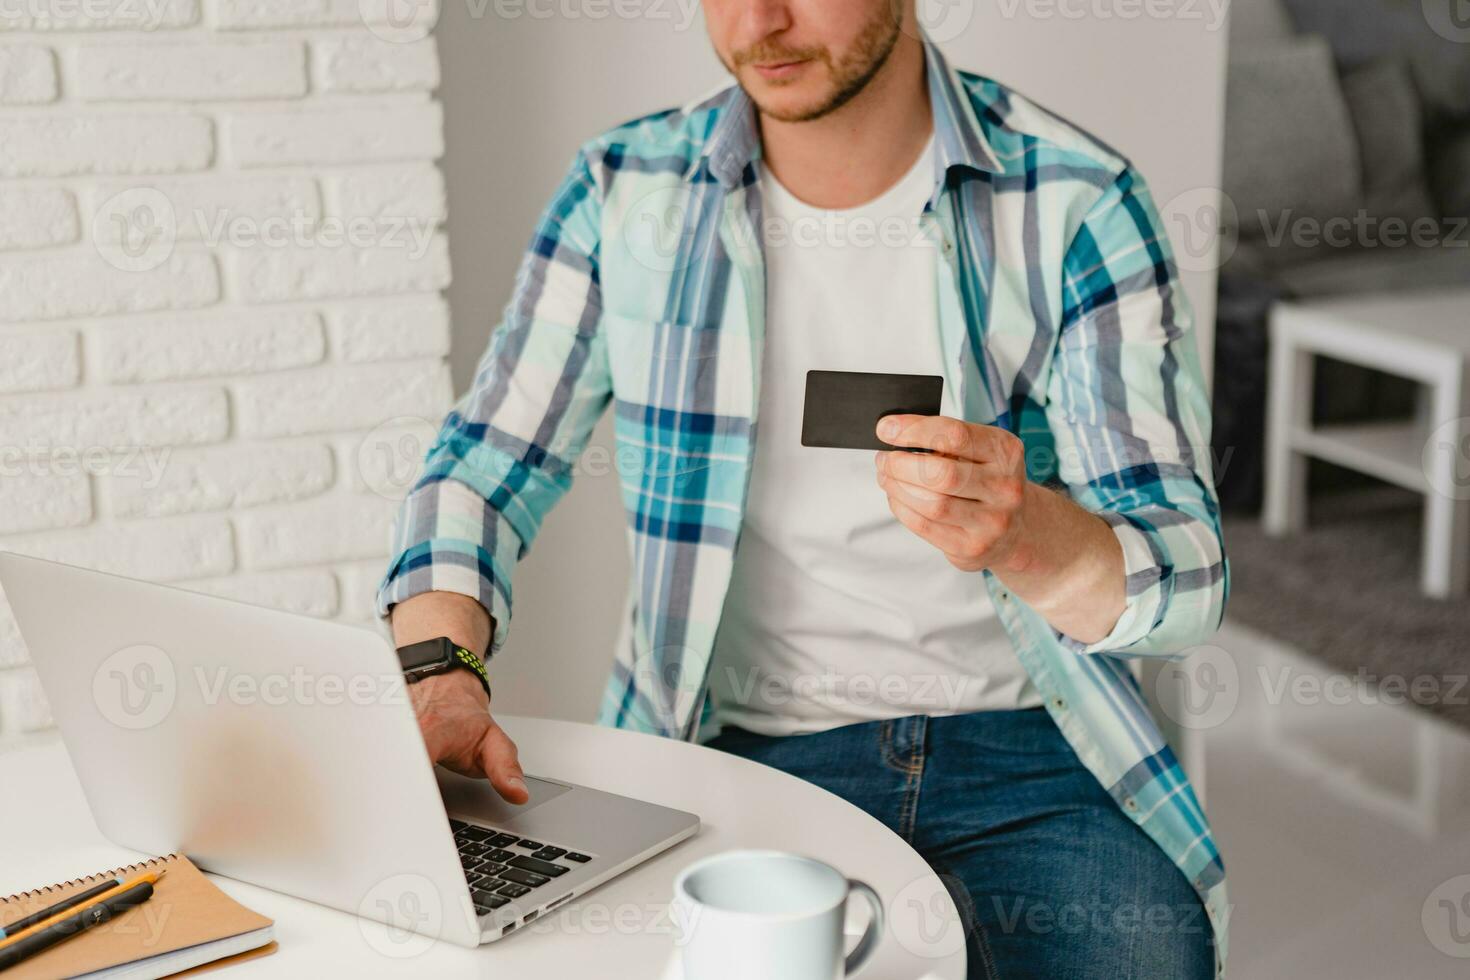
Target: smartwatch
<point>439,656</point>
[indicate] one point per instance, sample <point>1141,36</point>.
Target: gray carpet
<point>1346,591</point>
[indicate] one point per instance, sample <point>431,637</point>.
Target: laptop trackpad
<point>476,799</point>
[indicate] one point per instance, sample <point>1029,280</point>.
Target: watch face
<point>419,655</point>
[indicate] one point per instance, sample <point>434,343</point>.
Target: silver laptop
<point>282,750</point>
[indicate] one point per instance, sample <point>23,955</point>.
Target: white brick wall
<point>221,321</point>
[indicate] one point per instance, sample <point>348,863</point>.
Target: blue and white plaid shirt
<point>1061,318</point>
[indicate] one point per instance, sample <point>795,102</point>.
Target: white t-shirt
<point>836,612</point>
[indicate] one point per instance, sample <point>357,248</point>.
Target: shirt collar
<point>959,137</point>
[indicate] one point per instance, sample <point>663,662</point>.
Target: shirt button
<point>1130,804</point>
<point>1059,704</point>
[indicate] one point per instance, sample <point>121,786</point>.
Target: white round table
<point>620,930</point>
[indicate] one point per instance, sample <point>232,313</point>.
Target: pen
<point>70,902</point>
<point>95,912</point>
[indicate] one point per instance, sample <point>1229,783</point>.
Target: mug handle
<point>863,951</point>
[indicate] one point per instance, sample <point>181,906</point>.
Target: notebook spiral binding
<point>88,880</point>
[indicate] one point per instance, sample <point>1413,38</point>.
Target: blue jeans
<point>1051,879</point>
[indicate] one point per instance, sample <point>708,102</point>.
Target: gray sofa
<point>1347,170</point>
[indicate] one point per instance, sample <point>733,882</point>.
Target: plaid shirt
<point>1061,318</point>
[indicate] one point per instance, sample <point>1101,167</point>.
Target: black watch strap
<point>475,665</point>
<point>438,656</point>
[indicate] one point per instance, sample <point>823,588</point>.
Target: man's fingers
<point>929,471</point>
<point>925,473</point>
<point>963,549</point>
<point>937,433</point>
<point>501,763</point>
<point>943,536</point>
<point>942,508</point>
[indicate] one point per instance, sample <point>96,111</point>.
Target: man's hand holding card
<point>966,495</point>
<point>962,487</point>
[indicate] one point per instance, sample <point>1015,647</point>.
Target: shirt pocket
<point>665,364</point>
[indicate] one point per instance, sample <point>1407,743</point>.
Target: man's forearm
<point>1068,566</point>
<point>434,614</point>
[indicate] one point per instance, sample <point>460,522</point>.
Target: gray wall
<point>522,92</point>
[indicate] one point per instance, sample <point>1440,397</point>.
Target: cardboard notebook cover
<point>186,912</point>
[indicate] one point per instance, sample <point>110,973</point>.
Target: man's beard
<point>850,75</point>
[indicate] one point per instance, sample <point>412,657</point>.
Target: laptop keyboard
<point>502,867</point>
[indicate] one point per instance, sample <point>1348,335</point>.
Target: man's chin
<point>788,103</point>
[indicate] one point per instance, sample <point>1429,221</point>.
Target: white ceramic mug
<point>768,914</point>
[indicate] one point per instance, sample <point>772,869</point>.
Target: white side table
<point>1422,336</point>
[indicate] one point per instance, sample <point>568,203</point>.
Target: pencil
<point>44,935</point>
<point>14,937</point>
<point>70,902</point>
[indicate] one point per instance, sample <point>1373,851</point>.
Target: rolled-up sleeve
<point>504,456</point>
<point>1127,407</point>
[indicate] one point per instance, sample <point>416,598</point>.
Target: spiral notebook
<point>186,924</point>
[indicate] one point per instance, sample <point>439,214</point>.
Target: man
<point>939,638</point>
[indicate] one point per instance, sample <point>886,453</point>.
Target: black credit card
<point>843,407</point>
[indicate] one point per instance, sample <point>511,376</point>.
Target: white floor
<point>1332,866</point>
